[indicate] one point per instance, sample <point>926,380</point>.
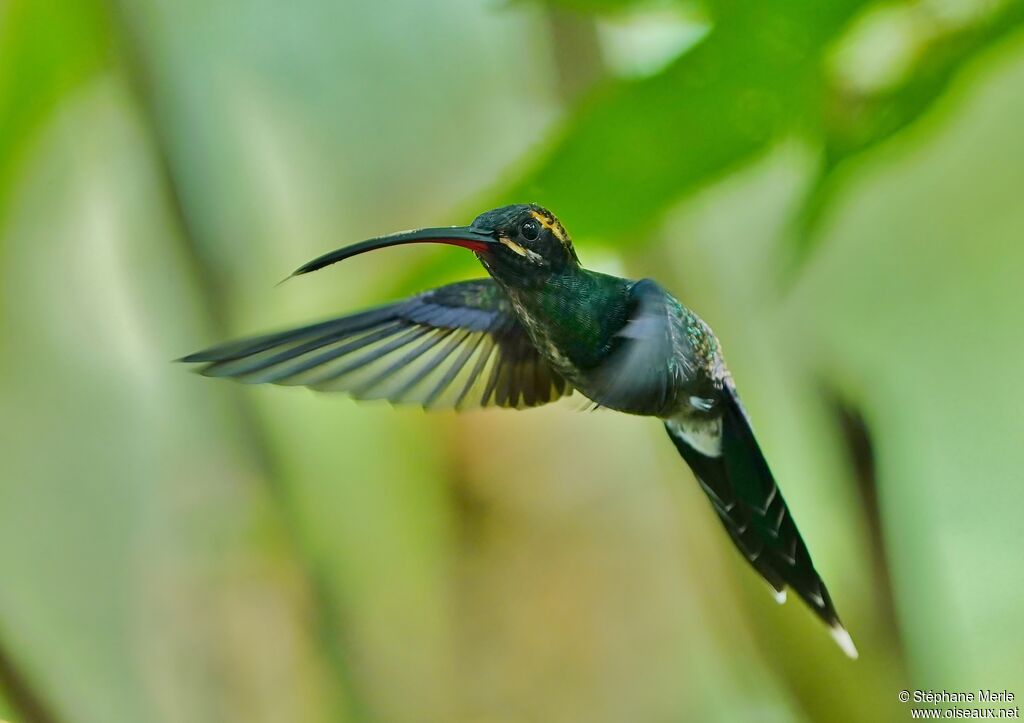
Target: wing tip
<point>779,595</point>
<point>843,640</point>
<point>210,355</point>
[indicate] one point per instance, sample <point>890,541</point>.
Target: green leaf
<point>636,146</point>
<point>47,48</point>
<point>853,124</point>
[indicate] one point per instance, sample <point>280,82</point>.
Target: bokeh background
<point>837,188</point>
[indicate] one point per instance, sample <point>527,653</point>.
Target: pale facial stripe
<point>525,253</point>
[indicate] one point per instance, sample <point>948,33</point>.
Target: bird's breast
<point>549,343</point>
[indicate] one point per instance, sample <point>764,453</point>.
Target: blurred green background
<point>836,187</point>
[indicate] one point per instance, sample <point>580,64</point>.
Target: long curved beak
<point>464,236</point>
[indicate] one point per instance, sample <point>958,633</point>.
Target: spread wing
<point>457,346</point>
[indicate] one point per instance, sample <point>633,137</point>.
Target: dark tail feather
<point>748,501</point>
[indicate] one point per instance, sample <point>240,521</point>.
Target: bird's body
<point>578,322</point>
<point>572,320</point>
<point>541,327</point>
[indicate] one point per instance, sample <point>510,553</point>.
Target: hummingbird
<point>540,328</point>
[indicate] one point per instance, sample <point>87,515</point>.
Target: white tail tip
<point>844,641</point>
<point>779,595</point>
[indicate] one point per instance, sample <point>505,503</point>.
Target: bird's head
<point>516,244</point>
<point>531,243</point>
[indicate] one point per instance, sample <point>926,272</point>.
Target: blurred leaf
<point>854,123</point>
<point>47,48</point>
<point>637,146</point>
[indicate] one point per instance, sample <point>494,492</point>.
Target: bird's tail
<point>748,501</point>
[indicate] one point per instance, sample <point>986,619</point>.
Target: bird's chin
<point>489,261</point>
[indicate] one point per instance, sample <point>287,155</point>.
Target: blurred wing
<point>651,360</point>
<point>457,346</point>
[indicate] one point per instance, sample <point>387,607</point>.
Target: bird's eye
<point>530,230</point>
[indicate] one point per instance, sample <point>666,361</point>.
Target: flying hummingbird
<point>538,329</point>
